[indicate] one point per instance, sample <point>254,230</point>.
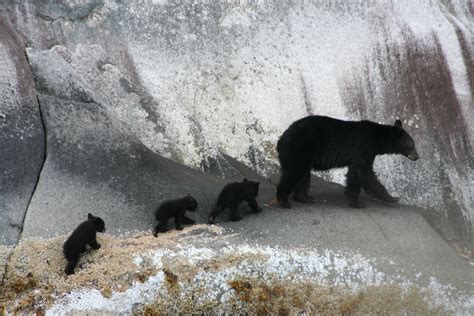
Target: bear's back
<point>79,238</point>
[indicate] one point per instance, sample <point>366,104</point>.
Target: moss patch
<point>283,298</point>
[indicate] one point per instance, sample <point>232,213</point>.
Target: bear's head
<point>98,223</point>
<point>252,186</point>
<point>191,203</point>
<point>403,142</point>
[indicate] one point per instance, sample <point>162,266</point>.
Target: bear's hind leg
<point>301,192</point>
<point>217,210</point>
<point>162,227</point>
<point>235,213</point>
<point>288,182</point>
<point>354,180</point>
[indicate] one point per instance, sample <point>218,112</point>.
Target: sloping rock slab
<point>93,165</point>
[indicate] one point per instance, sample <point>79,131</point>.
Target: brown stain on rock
<point>171,281</point>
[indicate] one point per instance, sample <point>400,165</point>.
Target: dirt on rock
<point>35,271</point>
<point>203,279</point>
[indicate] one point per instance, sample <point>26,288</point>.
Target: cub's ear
<point>90,216</point>
<point>245,180</point>
<point>398,123</point>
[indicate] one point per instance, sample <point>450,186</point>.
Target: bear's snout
<point>413,156</point>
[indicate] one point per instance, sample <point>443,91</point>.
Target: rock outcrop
<point>21,134</point>
<point>111,107</point>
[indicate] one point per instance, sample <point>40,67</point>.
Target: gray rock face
<point>195,81</point>
<point>21,134</point>
<point>54,76</point>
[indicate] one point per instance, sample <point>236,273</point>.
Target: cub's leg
<point>188,221</point>
<point>178,221</point>
<point>94,244</point>
<point>235,213</point>
<point>161,227</point>
<point>71,265</point>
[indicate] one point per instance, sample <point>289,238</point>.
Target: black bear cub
<point>232,195</point>
<point>174,208</point>
<point>83,235</point>
<point>321,143</point>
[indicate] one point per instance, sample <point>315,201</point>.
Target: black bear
<point>174,208</point>
<point>321,143</point>
<point>232,195</point>
<point>83,235</point>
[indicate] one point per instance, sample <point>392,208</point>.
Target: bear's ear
<point>90,216</point>
<point>245,180</point>
<point>398,124</point>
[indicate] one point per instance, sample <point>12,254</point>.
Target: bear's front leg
<point>212,218</point>
<point>94,244</point>
<point>353,186</point>
<point>254,205</point>
<point>188,221</point>
<point>372,186</point>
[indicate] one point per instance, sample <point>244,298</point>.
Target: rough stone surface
<point>194,81</point>
<point>21,134</point>
<point>54,76</point>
